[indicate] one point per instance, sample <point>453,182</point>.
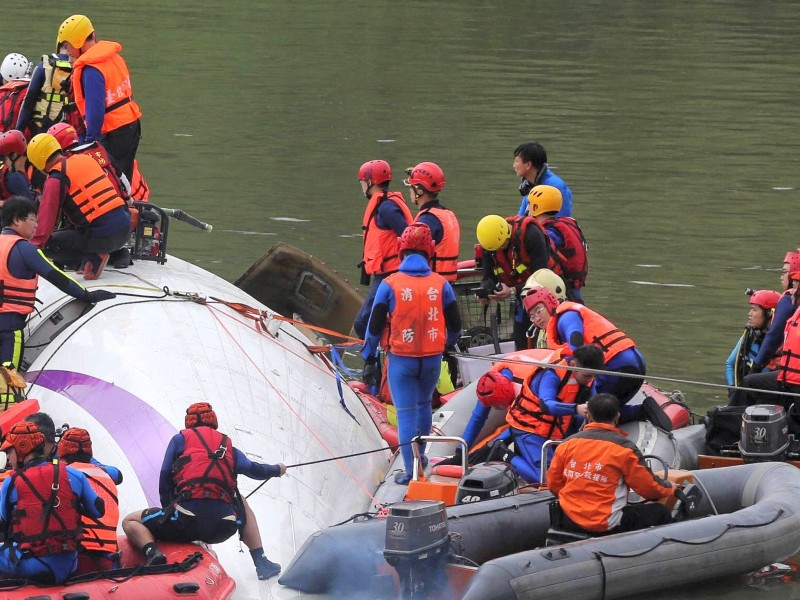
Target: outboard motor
<point>487,481</point>
<point>765,433</point>
<point>417,545</point>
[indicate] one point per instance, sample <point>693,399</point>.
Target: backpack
<point>11,96</point>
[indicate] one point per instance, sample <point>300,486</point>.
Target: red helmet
<point>495,390</point>
<point>24,437</point>
<point>375,172</point>
<point>12,142</point>
<point>75,441</point>
<point>65,134</point>
<point>417,236</point>
<point>200,413</point>
<point>427,175</point>
<point>792,258</point>
<point>766,299</point>
<point>540,295</point>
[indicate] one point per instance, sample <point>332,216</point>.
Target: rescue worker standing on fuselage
<point>78,186</point>
<point>21,265</point>
<point>48,100</point>
<point>425,182</point>
<point>39,508</point>
<point>101,83</point>
<point>199,496</point>
<point>415,317</point>
<point>385,218</point>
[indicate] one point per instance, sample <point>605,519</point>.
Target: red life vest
<point>4,193</point>
<point>91,193</point>
<point>100,155</point>
<point>416,327</point>
<point>789,365</point>
<point>12,94</point>
<point>121,109</point>
<point>445,255</point>
<point>100,534</point>
<point>526,411</point>
<point>512,266</point>
<point>381,253</point>
<point>572,254</point>
<point>16,295</point>
<point>45,519</point>
<point>597,330</point>
<point>206,468</point>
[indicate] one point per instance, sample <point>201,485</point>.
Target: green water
<point>675,124</point>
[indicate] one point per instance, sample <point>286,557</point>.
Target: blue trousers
<point>527,461</point>
<point>624,388</point>
<point>362,318</point>
<point>411,382</point>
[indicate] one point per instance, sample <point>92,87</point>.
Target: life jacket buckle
<point>220,453</point>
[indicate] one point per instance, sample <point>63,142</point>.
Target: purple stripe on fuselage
<point>139,430</point>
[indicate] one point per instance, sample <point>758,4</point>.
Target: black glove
<point>99,296</point>
<point>681,496</point>
<point>372,373</point>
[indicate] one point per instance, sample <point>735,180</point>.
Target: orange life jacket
<point>206,468</point>
<point>445,255</point>
<point>597,330</point>
<point>381,246</point>
<point>45,519</point>
<point>100,534</point>
<point>512,266</point>
<point>98,153</point>
<point>121,109</point>
<point>789,364</point>
<point>573,253</point>
<point>16,295</point>
<point>140,191</point>
<point>416,327</point>
<point>91,193</point>
<point>526,412</point>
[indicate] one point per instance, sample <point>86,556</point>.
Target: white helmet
<point>15,66</point>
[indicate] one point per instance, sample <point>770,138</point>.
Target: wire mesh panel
<point>477,318</point>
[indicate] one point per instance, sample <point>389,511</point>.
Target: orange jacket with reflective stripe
<point>789,365</point>
<point>445,256</point>
<point>16,295</point>
<point>592,472</point>
<point>91,193</point>
<point>381,246</point>
<point>416,326</point>
<point>100,534</point>
<point>121,109</point>
<point>597,330</point>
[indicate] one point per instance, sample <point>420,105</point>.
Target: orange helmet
<point>375,172</point>
<point>495,390</point>
<point>427,175</point>
<point>200,413</point>
<point>75,441</point>
<point>540,295</point>
<point>417,236</point>
<point>24,437</point>
<point>65,134</point>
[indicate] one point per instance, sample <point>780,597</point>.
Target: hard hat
<point>375,172</point>
<point>65,134</point>
<point>12,142</point>
<point>14,67</point>
<point>75,441</point>
<point>417,236</point>
<point>24,437</point>
<point>793,259</point>
<point>540,295</point>
<point>427,175</point>
<point>495,390</point>
<point>492,232</point>
<point>544,199</point>
<point>200,413</point>
<point>75,30</point>
<point>546,278</point>
<point>41,147</point>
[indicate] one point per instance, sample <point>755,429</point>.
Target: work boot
<point>265,568</point>
<point>94,265</point>
<point>402,478</point>
<point>121,259</point>
<point>154,557</point>
<point>652,411</point>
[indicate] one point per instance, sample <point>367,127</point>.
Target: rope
<point>545,365</point>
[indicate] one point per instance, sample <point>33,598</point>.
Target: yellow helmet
<point>492,232</point>
<point>547,279</point>
<point>41,148</point>
<point>75,30</point>
<point>544,199</point>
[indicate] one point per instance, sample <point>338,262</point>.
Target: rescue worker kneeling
<point>40,508</point>
<point>593,471</point>
<point>198,493</point>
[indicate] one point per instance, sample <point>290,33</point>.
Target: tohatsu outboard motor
<point>765,433</point>
<point>487,481</point>
<point>417,546</point>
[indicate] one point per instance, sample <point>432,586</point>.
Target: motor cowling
<point>487,481</point>
<point>765,433</point>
